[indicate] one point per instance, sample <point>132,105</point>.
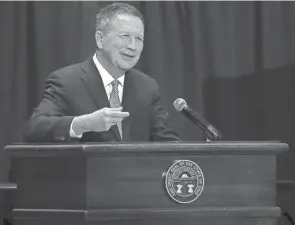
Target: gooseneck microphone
<point>212,133</point>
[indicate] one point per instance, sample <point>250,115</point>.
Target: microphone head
<point>179,104</point>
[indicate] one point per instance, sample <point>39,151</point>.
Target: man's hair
<point>108,13</point>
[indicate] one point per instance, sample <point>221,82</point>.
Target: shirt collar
<point>105,76</point>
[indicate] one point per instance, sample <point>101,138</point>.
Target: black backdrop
<point>233,62</point>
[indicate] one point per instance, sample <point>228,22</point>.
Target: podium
<point>100,183</point>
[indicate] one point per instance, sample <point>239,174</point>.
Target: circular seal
<point>184,181</point>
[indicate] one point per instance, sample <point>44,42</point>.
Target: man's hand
<point>100,120</point>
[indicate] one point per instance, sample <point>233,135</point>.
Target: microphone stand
<point>207,139</point>
<point>212,135</point>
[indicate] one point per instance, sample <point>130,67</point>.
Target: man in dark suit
<point>104,99</point>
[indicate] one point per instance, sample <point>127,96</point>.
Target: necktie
<point>115,101</point>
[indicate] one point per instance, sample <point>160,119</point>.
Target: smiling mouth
<point>128,57</point>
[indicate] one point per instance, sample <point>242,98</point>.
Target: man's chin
<point>127,66</point>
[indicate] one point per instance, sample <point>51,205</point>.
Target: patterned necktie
<point>115,101</point>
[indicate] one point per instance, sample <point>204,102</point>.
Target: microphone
<point>212,133</point>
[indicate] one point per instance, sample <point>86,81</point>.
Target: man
<point>103,99</point>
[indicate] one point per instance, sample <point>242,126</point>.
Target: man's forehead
<point>128,21</point>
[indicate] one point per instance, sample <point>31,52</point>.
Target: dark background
<point>233,62</point>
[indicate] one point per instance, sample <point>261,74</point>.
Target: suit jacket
<point>78,89</point>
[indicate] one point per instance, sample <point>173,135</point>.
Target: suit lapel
<point>94,85</point>
<point>128,103</point>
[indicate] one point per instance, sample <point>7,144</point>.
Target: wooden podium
<point>77,184</point>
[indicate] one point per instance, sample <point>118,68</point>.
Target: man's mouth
<point>128,57</point>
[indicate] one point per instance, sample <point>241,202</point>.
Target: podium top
<point>208,148</point>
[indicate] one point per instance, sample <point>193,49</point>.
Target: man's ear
<point>99,39</point>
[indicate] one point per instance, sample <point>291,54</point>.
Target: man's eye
<point>125,36</point>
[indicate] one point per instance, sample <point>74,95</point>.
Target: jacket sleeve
<point>50,121</point>
<point>160,122</point>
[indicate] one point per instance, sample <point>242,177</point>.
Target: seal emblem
<point>184,181</point>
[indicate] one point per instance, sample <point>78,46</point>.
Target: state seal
<point>184,181</point>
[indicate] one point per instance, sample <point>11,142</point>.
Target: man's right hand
<point>100,120</point>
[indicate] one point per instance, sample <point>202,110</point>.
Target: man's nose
<point>132,43</point>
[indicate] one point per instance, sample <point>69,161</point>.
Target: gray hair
<point>108,13</point>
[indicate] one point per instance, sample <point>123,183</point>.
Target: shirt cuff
<point>72,132</point>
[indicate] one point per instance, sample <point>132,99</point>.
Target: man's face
<point>122,43</point>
